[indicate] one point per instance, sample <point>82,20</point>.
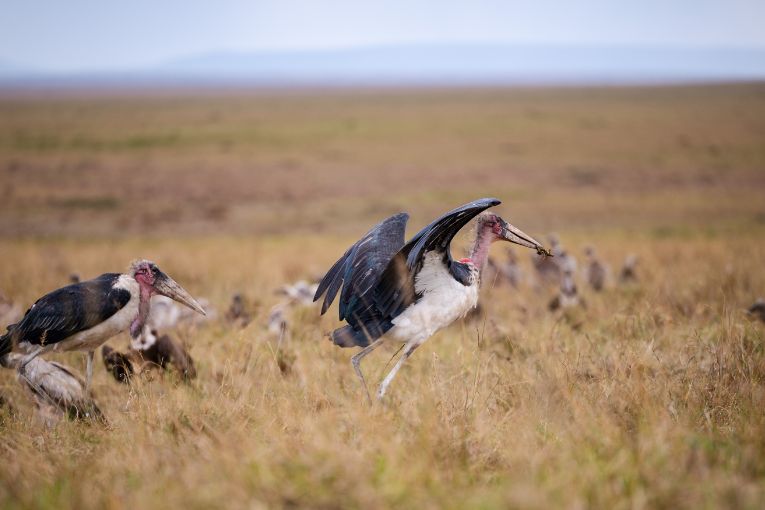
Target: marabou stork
<point>57,391</point>
<point>277,320</point>
<point>237,313</point>
<point>299,293</point>
<point>408,291</point>
<point>596,271</point>
<point>82,316</point>
<point>628,274</point>
<point>511,269</point>
<point>568,295</point>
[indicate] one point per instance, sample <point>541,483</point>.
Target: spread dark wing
<point>395,291</point>
<point>359,269</point>
<point>69,310</point>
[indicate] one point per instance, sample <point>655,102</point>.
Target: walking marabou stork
<point>82,316</point>
<point>408,291</point>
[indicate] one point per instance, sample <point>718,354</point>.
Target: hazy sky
<point>104,35</point>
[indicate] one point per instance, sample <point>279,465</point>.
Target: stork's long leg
<point>356,362</point>
<point>408,350</point>
<point>89,371</point>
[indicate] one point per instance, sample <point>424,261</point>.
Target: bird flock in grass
<point>388,289</point>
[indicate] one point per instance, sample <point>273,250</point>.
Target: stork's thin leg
<point>356,362</point>
<point>408,350</point>
<point>89,371</point>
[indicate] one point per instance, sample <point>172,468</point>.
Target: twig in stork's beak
<point>166,286</point>
<point>517,236</point>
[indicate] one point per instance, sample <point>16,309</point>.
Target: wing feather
<point>332,281</point>
<point>359,269</point>
<point>69,310</point>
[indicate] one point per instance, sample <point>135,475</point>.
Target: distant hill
<point>441,64</point>
<point>479,63</point>
<point>12,69</point>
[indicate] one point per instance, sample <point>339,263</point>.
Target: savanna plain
<point>651,396</point>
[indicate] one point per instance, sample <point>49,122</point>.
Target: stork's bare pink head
<point>153,281</point>
<point>490,228</point>
<point>500,230</point>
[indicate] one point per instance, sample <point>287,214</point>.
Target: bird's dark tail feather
<point>349,337</point>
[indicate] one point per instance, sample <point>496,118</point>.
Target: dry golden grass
<point>651,397</point>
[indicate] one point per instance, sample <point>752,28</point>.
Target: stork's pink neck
<point>144,307</point>
<point>480,252</point>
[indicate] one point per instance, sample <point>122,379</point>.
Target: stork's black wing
<point>395,290</point>
<point>66,311</point>
<point>360,267</point>
<point>358,271</point>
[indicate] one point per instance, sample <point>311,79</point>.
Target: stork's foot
<point>382,390</point>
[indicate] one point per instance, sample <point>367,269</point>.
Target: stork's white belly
<point>91,339</point>
<point>444,300</point>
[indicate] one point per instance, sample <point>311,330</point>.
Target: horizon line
<point>27,68</point>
